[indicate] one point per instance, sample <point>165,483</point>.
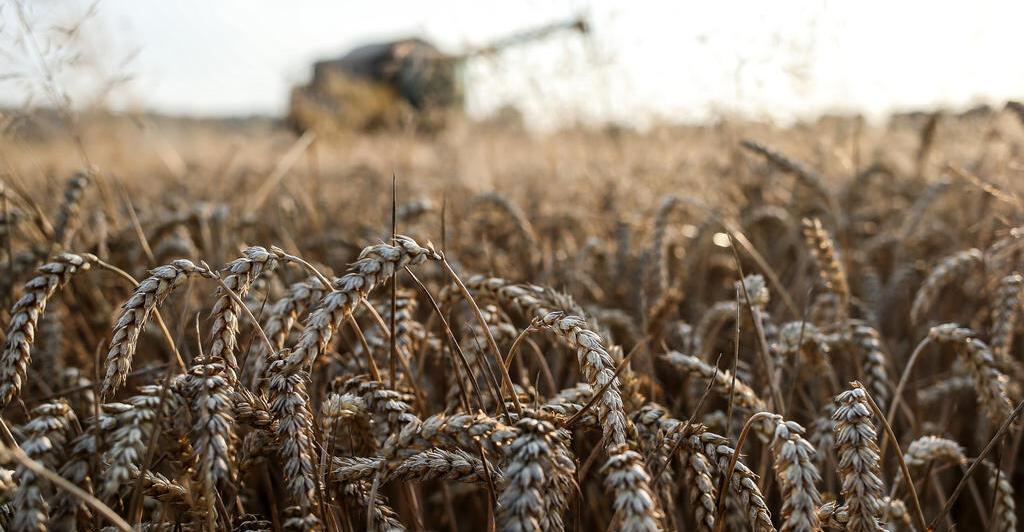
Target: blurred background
<point>648,62</point>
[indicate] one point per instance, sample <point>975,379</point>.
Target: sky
<point>643,60</point>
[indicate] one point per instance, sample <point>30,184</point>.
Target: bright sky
<point>643,59</point>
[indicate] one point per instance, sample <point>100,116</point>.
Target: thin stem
<point>762,341</point>
<point>299,260</point>
<point>727,477</point>
<point>393,360</point>
<point>977,461</point>
<point>402,359</point>
<point>487,333</point>
<point>370,362</point>
<point>898,394</point>
<point>515,345</point>
<point>455,343</point>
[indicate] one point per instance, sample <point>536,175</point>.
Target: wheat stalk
<point>375,265</point>
<point>830,266</point>
<point>857,448</point>
<point>45,436</point>
<point>25,315</point>
<point>989,383</point>
<point>945,272</point>
<point>794,465</point>
<point>530,479</point>
<point>241,273</point>
<point>213,435</point>
<point>1005,314</point>
<point>135,312</point>
<point>69,215</point>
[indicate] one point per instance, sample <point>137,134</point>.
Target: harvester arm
<point>576,24</point>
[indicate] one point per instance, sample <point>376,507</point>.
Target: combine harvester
<point>393,84</point>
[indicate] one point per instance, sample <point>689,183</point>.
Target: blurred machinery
<point>391,84</point>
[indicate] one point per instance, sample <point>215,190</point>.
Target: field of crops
<point>222,326</point>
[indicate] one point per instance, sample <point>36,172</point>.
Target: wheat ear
<point>804,175</point>
<point>626,478</point>
<point>290,406</point>
<point>25,315</point>
<point>375,265</point>
<point>857,448</point>
<point>596,363</point>
<point>213,431</point>
<point>529,479</point>
<point>875,362</point>
<point>949,269</point>
<point>135,312</point>
<point>830,266</point>
<point>928,449</point>
<point>45,436</point>
<point>989,382</point>
<point>241,273</point>
<point>282,317</point>
<point>794,466</point>
<point>68,216</point>
<point>1005,314</point>
<point>132,423</point>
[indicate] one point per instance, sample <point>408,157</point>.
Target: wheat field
<point>737,326</point>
